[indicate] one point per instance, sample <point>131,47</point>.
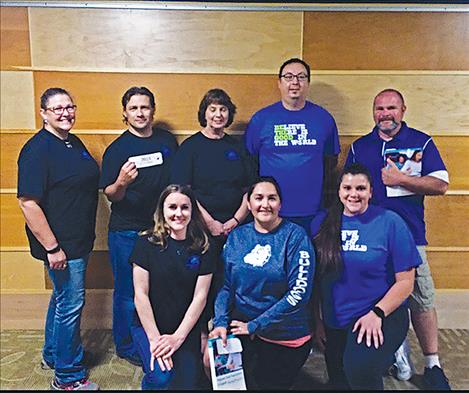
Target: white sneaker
<point>403,365</point>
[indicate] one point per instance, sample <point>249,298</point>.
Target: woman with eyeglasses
<point>58,195</point>
<point>366,267</point>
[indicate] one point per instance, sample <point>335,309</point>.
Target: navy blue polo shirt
<point>63,177</point>
<point>135,211</point>
<point>371,151</point>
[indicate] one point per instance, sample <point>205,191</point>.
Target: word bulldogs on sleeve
<point>296,294</point>
<point>292,134</point>
<point>349,241</point>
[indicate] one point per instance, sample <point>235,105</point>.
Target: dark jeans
<point>121,245</point>
<point>183,376</point>
<point>269,366</point>
<point>356,366</point>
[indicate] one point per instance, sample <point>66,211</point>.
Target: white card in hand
<point>147,160</point>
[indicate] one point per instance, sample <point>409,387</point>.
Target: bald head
<point>388,112</point>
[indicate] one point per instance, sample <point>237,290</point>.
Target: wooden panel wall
<point>179,55</point>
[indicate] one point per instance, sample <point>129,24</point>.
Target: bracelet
<point>379,312</point>
<point>234,218</point>
<point>54,250</point>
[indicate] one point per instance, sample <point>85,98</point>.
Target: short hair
<point>265,179</point>
<point>219,97</point>
<point>390,90</point>
<point>356,169</point>
<point>295,60</point>
<point>137,90</point>
<point>50,92</point>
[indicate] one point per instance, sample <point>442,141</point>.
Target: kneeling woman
<point>172,271</point>
<point>366,268</point>
<point>269,269</point>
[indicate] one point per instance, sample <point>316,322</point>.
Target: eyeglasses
<point>300,77</point>
<point>59,110</point>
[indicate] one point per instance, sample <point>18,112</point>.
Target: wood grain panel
<point>451,148</point>
<point>450,269</point>
<point>348,97</point>
<point>12,232</point>
<point>19,270</point>
<point>447,218</point>
<point>386,40</point>
<point>435,103</point>
<point>98,96</point>
<point>14,38</point>
<point>17,99</point>
<point>165,41</point>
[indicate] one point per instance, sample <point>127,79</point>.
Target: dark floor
<point>20,352</point>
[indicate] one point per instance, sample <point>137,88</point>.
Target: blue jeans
<point>121,245</point>
<point>183,376</point>
<point>62,346</point>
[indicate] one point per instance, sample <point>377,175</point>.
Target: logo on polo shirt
<point>231,155</point>
<point>350,239</point>
<point>259,255</point>
<point>292,135</point>
<point>193,262</point>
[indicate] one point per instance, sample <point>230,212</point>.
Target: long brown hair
<point>196,229</point>
<point>328,242</point>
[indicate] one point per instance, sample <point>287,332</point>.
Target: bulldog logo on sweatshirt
<point>259,255</point>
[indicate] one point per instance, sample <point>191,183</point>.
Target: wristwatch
<point>379,312</point>
<point>54,250</point>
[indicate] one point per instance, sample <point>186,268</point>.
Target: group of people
<point>261,239</point>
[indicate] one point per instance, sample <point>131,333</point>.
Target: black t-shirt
<point>63,176</point>
<point>135,211</point>
<point>218,170</point>
<point>173,275</point>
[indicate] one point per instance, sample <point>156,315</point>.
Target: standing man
<point>403,191</point>
<point>135,170</point>
<point>297,143</point>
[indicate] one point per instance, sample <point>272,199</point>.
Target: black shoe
<point>435,379</point>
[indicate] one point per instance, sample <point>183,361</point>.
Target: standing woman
<point>58,194</point>
<point>218,169</point>
<point>366,267</point>
<point>172,271</point>
<point>269,269</point>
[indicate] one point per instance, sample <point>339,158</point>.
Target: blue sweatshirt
<point>268,281</point>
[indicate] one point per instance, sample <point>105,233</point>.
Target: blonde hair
<point>196,229</point>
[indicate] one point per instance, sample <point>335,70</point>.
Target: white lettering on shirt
<point>296,134</point>
<point>301,283</point>
<point>349,240</point>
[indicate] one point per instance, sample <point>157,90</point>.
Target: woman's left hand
<point>370,327</point>
<point>167,344</point>
<point>238,328</point>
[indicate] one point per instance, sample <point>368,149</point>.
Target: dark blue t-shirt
<point>371,151</point>
<point>375,246</point>
<point>218,170</point>
<point>63,177</point>
<point>135,211</point>
<point>290,146</point>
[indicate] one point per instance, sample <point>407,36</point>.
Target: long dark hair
<point>196,230</point>
<point>328,242</point>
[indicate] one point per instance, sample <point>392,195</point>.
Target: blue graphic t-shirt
<point>268,281</point>
<point>375,246</point>
<point>291,146</point>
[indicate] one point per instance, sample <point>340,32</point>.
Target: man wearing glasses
<point>296,142</point>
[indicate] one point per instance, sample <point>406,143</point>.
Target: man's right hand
<point>219,332</point>
<point>127,174</point>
